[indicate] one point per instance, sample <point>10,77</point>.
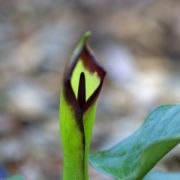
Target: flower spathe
<point>82,82</point>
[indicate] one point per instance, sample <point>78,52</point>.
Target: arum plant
<point>82,82</point>
<point>131,159</point>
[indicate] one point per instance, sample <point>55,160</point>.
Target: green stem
<point>73,169</point>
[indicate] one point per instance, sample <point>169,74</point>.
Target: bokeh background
<point>136,41</point>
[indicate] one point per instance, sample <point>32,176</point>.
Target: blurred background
<point>136,41</point>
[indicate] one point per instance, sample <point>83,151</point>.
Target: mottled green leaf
<point>162,176</point>
<point>135,156</point>
<point>15,178</point>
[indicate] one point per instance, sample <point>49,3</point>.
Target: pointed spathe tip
<point>85,37</point>
<point>87,34</point>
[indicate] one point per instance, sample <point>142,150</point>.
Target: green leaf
<point>82,82</point>
<point>133,157</point>
<point>15,178</point>
<point>162,176</point>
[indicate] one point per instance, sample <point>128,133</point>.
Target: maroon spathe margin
<point>80,105</point>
